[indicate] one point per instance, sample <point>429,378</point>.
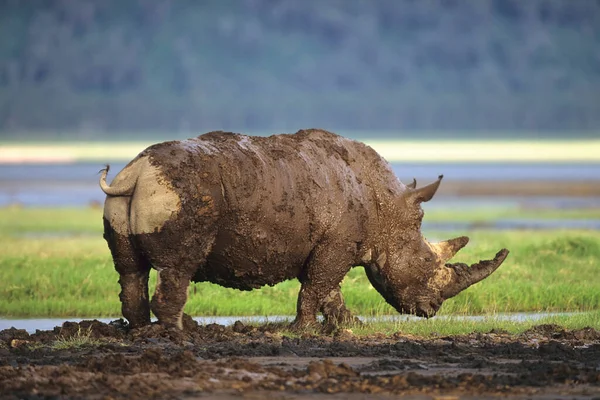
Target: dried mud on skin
<point>253,362</point>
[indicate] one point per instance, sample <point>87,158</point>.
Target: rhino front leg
<point>170,297</point>
<point>324,272</point>
<point>334,309</point>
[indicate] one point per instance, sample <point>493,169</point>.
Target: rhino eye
<point>428,259</point>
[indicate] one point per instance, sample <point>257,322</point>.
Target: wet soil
<point>259,361</point>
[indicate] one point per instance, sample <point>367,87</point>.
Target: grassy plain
<point>56,264</point>
<point>455,325</point>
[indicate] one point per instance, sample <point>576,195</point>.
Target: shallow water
<point>77,184</point>
<point>31,325</point>
<point>88,172</point>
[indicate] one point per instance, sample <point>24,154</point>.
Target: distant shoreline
<point>552,151</point>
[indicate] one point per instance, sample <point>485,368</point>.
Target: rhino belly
<point>251,261</point>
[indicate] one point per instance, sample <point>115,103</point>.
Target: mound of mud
<point>97,360</point>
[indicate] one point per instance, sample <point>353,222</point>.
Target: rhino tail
<point>123,184</point>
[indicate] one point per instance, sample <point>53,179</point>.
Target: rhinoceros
<point>244,212</point>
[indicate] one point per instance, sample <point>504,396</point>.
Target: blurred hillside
<point>269,65</point>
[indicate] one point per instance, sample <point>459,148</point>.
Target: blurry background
<point>89,69</point>
<point>502,97</point>
<point>480,90</point>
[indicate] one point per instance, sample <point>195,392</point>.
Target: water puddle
<point>31,325</point>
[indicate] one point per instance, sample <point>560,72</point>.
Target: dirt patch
<point>253,362</point>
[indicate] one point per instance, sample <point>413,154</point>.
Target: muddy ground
<point>214,361</point>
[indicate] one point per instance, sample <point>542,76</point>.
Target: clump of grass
<point>76,341</point>
<point>33,346</point>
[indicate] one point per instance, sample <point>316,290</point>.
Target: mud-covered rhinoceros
<point>244,212</point>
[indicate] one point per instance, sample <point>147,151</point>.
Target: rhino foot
<point>170,297</point>
<point>189,324</point>
<point>334,310</point>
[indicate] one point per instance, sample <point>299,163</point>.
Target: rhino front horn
<point>464,276</point>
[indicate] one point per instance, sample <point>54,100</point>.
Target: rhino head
<point>412,274</point>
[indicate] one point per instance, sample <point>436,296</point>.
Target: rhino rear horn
<point>448,248</point>
<point>424,193</point>
<point>464,276</point>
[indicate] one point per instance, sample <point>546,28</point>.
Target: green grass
<point>452,325</point>
<point>76,341</point>
<point>16,220</point>
<point>458,326</point>
<point>54,263</point>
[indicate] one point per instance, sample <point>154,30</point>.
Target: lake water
<point>31,325</point>
<point>77,184</point>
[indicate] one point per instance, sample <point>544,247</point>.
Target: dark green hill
<point>268,65</point>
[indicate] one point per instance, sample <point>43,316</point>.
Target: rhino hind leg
<point>135,304</point>
<point>334,309</point>
<point>170,297</point>
<point>133,272</point>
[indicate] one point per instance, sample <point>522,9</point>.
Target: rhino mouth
<point>424,307</point>
<point>423,310</point>
<point>428,311</point>
<point>428,305</point>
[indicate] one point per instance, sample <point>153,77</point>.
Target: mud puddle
<point>96,360</point>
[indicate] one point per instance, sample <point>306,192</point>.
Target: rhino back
<point>253,208</point>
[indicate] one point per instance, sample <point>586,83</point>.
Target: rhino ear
<point>412,185</point>
<point>424,193</point>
